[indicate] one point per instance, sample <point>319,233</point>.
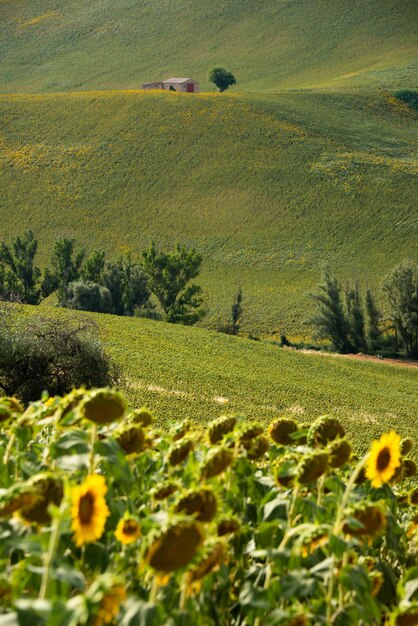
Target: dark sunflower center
<point>129,528</point>
<point>383,459</point>
<point>85,508</point>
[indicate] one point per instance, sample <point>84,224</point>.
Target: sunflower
<point>89,510</point>
<point>110,605</point>
<point>127,530</point>
<point>384,458</point>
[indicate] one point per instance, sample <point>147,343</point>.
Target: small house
<point>185,85</point>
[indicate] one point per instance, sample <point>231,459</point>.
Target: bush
<point>88,296</point>
<point>265,526</point>
<point>409,97</point>
<point>50,355</point>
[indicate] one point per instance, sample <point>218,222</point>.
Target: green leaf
<point>74,462</point>
<point>72,442</point>
<point>142,614</point>
<point>275,509</point>
<point>253,597</point>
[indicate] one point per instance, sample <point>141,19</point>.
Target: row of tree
<point>354,326</point>
<point>93,283</point>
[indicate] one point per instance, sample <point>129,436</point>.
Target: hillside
<point>267,187</point>
<point>261,381</point>
<point>57,45</point>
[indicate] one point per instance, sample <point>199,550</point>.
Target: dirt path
<point>364,357</point>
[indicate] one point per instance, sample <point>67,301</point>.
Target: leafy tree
<point>94,267</point>
<point>89,296</point>
<point>373,322</point>
<point>221,78</point>
<point>66,266</point>
<point>127,284</point>
<point>169,275</point>
<point>50,355</point>
<point>21,278</point>
<point>331,321</point>
<point>356,319</point>
<point>237,312</point>
<point>401,290</point>
<point>10,290</point>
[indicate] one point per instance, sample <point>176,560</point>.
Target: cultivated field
<point>76,46</point>
<point>267,187</point>
<point>188,372</point>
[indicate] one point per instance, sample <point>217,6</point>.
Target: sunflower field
<point>106,520</point>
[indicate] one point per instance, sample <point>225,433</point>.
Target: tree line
<point>93,283</point>
<point>356,324</point>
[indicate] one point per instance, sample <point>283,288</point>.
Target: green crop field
<point>267,187</point>
<point>181,372</point>
<point>64,45</point>
<point>310,159</point>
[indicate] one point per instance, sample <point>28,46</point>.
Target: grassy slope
<point>261,381</point>
<point>57,45</point>
<point>266,186</point>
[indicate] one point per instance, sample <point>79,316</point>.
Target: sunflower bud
<point>103,406</point>
<point>175,547</point>
<point>127,530</point>
<point>339,452</point>
<point>212,561</point>
<point>409,468</point>
<point>377,580</point>
<point>256,448</point>
<point>371,517</point>
<point>281,430</point>
<point>220,427</point>
<point>398,475</point>
<point>131,439</point>
<point>49,490</point>
<point>413,496</point>
<point>325,429</point>
<point>218,460</point>
<point>228,526</point>
<point>181,430</point>
<point>202,504</point>
<point>250,431</point>
<point>180,451</point>
<point>141,416</point>
<point>165,490</point>
<point>19,496</point>
<point>406,445</point>
<point>285,471</point>
<point>312,466</point>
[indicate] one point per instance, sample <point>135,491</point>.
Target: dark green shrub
<point>38,355</point>
<point>88,296</point>
<point>409,97</point>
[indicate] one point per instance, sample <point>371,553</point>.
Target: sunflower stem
<point>337,529</point>
<point>49,556</point>
<point>321,482</point>
<point>92,444</point>
<point>154,590</point>
<point>183,594</point>
<point>7,452</point>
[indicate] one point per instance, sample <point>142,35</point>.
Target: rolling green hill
<point>180,372</point>
<point>267,187</point>
<point>61,45</point>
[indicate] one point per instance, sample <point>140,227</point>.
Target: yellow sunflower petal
<point>89,510</point>
<point>383,459</point>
